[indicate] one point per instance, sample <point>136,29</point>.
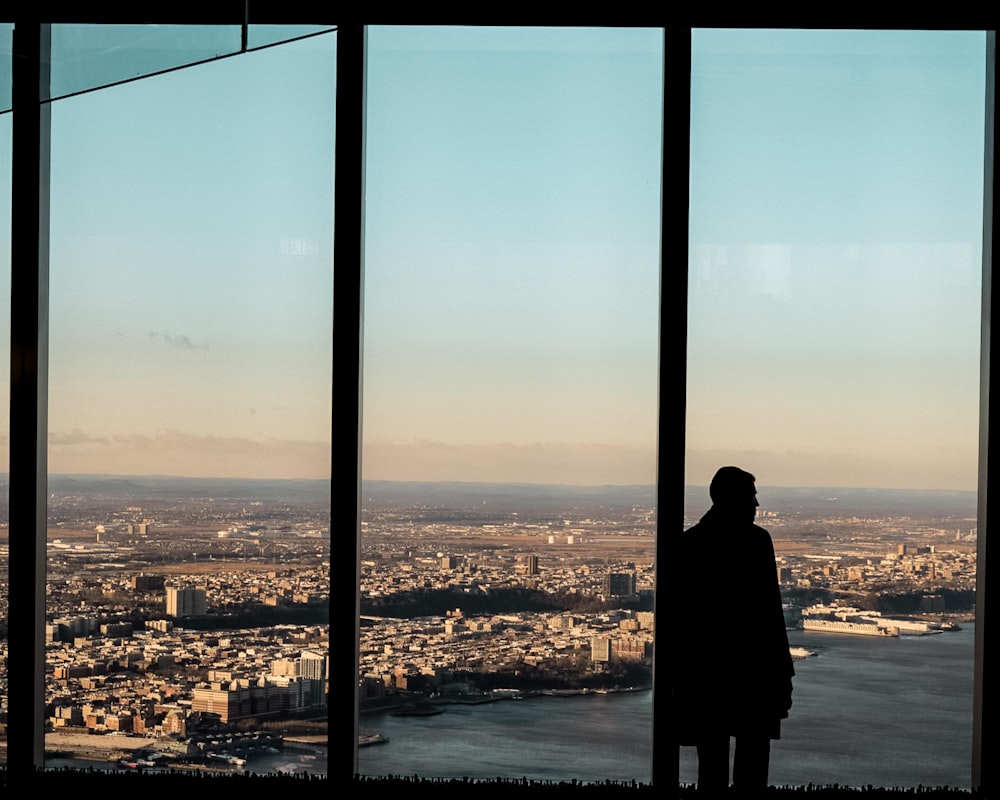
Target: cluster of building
<point>121,590</point>
<point>427,653</point>
<point>905,568</point>
<point>150,681</point>
<point>108,673</point>
<point>481,573</point>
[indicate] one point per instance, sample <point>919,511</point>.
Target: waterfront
<point>867,710</point>
<point>290,761</point>
<point>295,758</point>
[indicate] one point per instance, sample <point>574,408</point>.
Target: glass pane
<point>833,351</point>
<point>6,48</point>
<point>510,401</point>
<point>90,56</point>
<point>190,415</point>
<point>264,35</point>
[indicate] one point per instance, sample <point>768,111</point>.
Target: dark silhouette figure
<point>731,673</point>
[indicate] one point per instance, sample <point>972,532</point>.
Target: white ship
<point>844,619</point>
<point>368,738</point>
<point>843,626</point>
<point>913,627</point>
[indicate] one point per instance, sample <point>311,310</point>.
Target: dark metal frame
<point>28,396</point>
<point>29,325</point>
<point>984,767</point>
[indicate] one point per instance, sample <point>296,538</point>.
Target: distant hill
<point>540,498</point>
<point>166,486</point>
<point>513,497</point>
<point>863,502</point>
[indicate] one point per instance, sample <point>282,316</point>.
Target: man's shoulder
<point>742,535</point>
<point>759,535</point>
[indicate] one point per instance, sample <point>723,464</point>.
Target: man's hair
<point>730,483</point>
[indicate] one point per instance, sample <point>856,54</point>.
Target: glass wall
<point>89,56</point>
<point>895,229</point>
<point>834,329</point>
<point>190,409</point>
<point>512,183</point>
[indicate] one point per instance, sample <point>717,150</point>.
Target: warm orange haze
<point>174,452</point>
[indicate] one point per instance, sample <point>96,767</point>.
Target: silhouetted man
<point>731,673</point>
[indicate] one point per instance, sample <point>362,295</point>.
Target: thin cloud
<point>181,341</point>
<point>172,452</point>
<point>73,438</point>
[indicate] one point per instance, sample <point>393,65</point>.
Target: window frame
<point>29,260</point>
<point>28,472</point>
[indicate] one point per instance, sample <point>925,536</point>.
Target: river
<point>867,710</point>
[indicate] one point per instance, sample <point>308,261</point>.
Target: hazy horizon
<point>4,476</point>
<point>760,486</point>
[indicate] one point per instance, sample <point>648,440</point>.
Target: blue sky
<point>512,255</point>
<point>835,248</point>
<point>512,260</point>
<point>191,281</point>
<point>836,245</point>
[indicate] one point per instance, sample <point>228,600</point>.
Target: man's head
<point>733,491</point>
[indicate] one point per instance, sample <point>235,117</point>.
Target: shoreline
<point>500,695</point>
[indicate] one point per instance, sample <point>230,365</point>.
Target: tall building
<point>312,665</point>
<point>146,583</point>
<point>526,565</point>
<point>600,648</point>
<point>186,601</point>
<point>619,584</point>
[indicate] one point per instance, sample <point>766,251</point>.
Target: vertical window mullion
<point>28,395</point>
<point>671,428</point>
<point>346,454</point>
<point>981,710</point>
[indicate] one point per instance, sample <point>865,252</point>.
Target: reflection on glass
<point>834,322</point>
<point>87,57</point>
<point>190,413</point>
<point>264,35</point>
<point>510,385</point>
<point>6,48</point>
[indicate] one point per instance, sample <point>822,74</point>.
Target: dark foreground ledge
<point>612,790</point>
<point>161,782</point>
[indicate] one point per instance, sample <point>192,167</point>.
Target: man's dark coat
<point>729,670</point>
